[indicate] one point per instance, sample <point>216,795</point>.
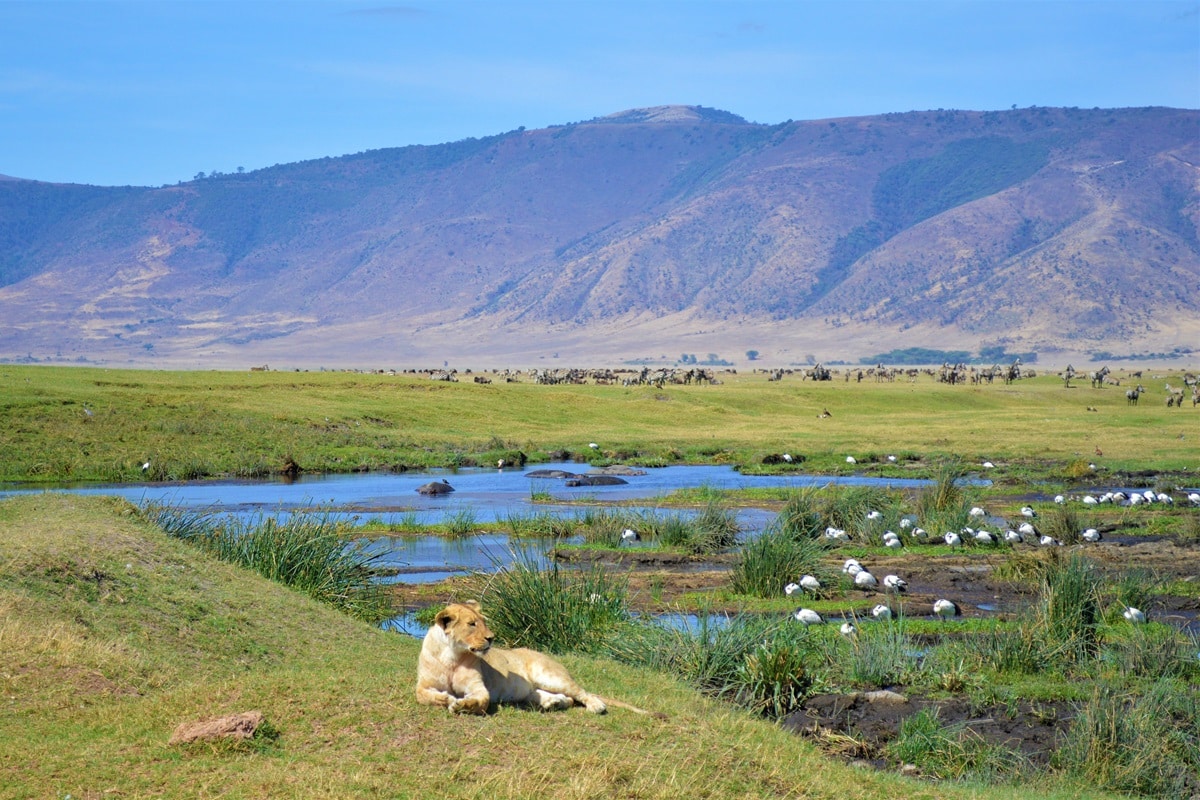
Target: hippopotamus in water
<point>595,480</point>
<point>436,487</point>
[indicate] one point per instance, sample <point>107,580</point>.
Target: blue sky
<point>117,93</point>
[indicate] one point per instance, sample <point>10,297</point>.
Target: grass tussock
<point>1146,745</point>
<point>531,604</point>
<point>307,552</point>
<point>767,563</point>
<point>951,752</point>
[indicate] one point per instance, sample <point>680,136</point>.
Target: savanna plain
<point>119,621</point>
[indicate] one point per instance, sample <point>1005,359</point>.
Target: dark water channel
<point>486,496</point>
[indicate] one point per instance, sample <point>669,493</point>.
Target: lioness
<point>459,669</point>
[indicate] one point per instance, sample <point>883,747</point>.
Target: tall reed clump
<point>1070,609</point>
<point>847,508</point>
<point>769,562</point>
<point>532,604</point>
<point>880,655</point>
<point>760,664</point>
<point>1064,524</point>
<point>715,529</point>
<point>801,516</point>
<point>1147,745</point>
<point>305,551</point>
<point>951,752</point>
<point>943,505</point>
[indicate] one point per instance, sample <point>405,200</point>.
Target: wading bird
<point>807,616</point>
<point>1134,615</point>
<point>946,609</point>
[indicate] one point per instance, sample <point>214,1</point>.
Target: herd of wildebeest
<point>954,374</point>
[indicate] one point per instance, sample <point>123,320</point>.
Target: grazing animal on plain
<point>1132,395</point>
<point>459,669</point>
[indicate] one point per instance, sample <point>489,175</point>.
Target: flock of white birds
<point>944,608</point>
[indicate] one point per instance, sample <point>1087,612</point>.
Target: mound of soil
<point>861,724</point>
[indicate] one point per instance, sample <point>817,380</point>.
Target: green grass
<point>200,424</point>
<point>113,633</point>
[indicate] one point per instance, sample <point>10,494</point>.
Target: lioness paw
<point>555,702</point>
<point>469,705</point>
<point>595,705</point>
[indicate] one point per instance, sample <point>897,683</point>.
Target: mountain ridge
<point>1060,231</point>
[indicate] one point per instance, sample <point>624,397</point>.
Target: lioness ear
<point>444,618</point>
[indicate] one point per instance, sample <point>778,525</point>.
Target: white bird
<point>1048,541</point>
<point>630,535</point>
<point>952,539</point>
<point>1028,529</point>
<point>1119,497</point>
<point>851,566</point>
<point>851,460</point>
<point>787,457</point>
<point>837,534</point>
<point>1136,499</point>
<point>1134,615</point>
<point>919,534</point>
<point>892,459</point>
<point>1163,497</point>
<point>988,465</point>
<point>864,579</point>
<point>881,612</point>
<point>895,583</point>
<point>906,522</point>
<point>978,512</point>
<point>1149,495</point>
<point>500,464</point>
<point>810,583</point>
<point>1060,499</point>
<point>87,411</point>
<point>889,535</point>
<point>874,515</point>
<point>1013,537</point>
<point>1028,511</point>
<point>1089,500</point>
<point>791,589</point>
<point>946,609</point>
<point>807,616</point>
<point>848,630</point>
<point>893,543</point>
<point>1091,535</point>
<point>983,537</point>
<point>1194,498</point>
<point>593,445</point>
<point>145,466</point>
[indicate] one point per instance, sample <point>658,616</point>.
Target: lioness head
<point>465,627</point>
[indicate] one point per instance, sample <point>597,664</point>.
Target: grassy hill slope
<point>112,634</point>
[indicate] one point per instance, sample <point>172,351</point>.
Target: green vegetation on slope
<point>112,634</point>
